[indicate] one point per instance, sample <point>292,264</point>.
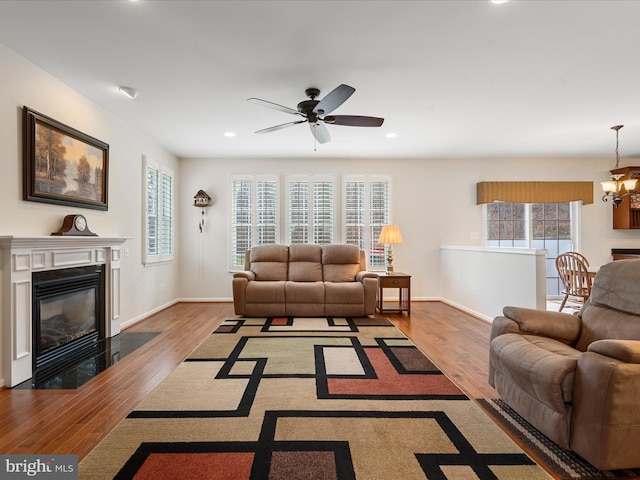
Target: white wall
<point>24,84</point>
<point>482,280</point>
<point>433,202</point>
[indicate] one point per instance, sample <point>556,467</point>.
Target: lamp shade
<point>609,186</point>
<point>390,234</point>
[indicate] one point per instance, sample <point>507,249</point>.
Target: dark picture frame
<point>63,165</point>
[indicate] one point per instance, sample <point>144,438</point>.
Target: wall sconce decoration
<point>202,200</point>
<point>390,235</point>
<point>616,188</point>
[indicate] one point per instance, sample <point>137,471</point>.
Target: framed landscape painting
<point>63,165</point>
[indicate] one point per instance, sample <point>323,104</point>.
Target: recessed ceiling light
<point>129,92</point>
<point>229,134</point>
<point>498,2</point>
<point>391,135</point>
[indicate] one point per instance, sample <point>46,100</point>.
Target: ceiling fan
<point>316,112</point>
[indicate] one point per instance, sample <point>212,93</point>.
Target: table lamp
<point>389,235</point>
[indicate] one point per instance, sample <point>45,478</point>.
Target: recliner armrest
<point>249,275</point>
<point>557,325</point>
<point>360,276</point>
<point>627,351</point>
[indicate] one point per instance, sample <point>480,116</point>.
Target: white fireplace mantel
<point>21,256</point>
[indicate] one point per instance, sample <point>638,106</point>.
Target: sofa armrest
<point>360,276</point>
<point>627,351</point>
<point>249,275</point>
<point>560,326</point>
<point>239,285</point>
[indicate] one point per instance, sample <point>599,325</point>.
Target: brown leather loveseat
<point>576,378</point>
<point>304,280</point>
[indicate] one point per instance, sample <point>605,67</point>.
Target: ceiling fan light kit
<point>316,112</point>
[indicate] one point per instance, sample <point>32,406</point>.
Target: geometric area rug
<point>307,398</point>
<point>565,464</point>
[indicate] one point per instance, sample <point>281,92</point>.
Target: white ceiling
<point>529,78</point>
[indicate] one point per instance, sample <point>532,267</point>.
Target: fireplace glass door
<point>67,313</point>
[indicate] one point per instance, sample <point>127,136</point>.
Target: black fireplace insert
<point>68,315</point>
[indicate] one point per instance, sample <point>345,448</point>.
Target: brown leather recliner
<point>576,378</point>
<point>305,280</point>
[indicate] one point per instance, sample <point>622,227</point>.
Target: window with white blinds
<point>366,211</point>
<point>315,212</point>
<point>311,210</point>
<point>254,214</point>
<point>158,208</point>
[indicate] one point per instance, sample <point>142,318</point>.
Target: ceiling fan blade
<point>279,127</point>
<point>320,132</point>
<point>353,120</point>
<point>334,99</point>
<point>275,106</point>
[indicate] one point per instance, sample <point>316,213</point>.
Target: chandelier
<point>616,188</point>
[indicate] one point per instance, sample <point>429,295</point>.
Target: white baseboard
<point>479,315</point>
<point>204,300</point>
<point>141,317</point>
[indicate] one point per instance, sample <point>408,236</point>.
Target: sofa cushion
<point>269,262</point>
<point>340,263</point>
<point>544,368</point>
<point>265,292</point>
<point>305,263</point>
<point>344,293</point>
<point>304,292</point>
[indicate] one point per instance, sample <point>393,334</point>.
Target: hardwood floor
<point>456,342</point>
<point>74,421</point>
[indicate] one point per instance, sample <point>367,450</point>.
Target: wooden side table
<point>402,282</point>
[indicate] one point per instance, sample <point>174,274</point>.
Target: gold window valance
<point>534,192</point>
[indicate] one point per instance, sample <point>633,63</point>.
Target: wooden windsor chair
<point>573,269</point>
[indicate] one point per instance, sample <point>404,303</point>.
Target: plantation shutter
<point>298,212</point>
<point>152,212</point>
<point>311,207</point>
<point>323,226</point>
<point>167,214</point>
<point>378,217</point>
<point>158,223</point>
<point>254,215</point>
<point>241,214</point>
<point>366,211</point>
<point>355,220</point>
<point>266,212</point>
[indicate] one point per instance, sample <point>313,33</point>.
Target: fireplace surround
<point>22,257</point>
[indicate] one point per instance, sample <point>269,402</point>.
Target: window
<point>549,226</point>
<point>314,212</point>
<point>506,225</point>
<point>366,211</point>
<point>311,210</point>
<point>158,224</point>
<point>254,214</point>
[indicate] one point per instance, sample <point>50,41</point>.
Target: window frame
<point>163,254</point>
<point>552,278</point>
<point>253,225</point>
